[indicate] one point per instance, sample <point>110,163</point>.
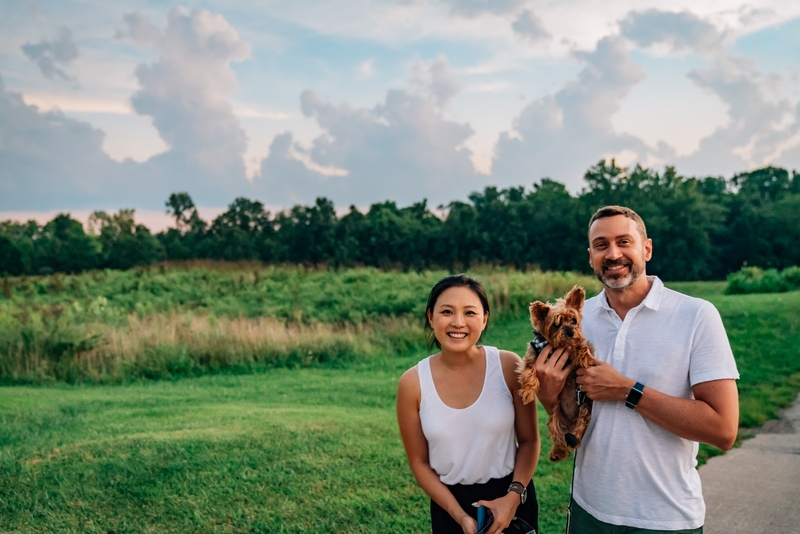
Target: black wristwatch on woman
<point>518,487</point>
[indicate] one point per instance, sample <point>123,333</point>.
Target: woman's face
<point>457,319</point>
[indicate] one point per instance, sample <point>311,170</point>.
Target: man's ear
<point>539,311</point>
<point>575,297</point>
<point>648,249</point>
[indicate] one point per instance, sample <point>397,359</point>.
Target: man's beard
<point>618,284</point>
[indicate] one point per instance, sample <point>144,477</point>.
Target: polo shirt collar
<point>652,300</point>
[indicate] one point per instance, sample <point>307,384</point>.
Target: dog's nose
<point>569,331</point>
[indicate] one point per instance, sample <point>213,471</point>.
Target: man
<point>665,380</point>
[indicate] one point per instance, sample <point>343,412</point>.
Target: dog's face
<point>560,323</point>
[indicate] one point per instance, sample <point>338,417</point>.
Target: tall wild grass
<point>193,319</point>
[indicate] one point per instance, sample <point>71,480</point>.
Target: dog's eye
<point>574,321</point>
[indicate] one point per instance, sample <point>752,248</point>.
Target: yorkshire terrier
<point>560,326</point>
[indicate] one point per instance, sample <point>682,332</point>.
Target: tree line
<point>702,228</point>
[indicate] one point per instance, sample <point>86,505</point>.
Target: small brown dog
<point>560,325</point>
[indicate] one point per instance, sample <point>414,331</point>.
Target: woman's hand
<point>468,525</point>
<point>503,509</point>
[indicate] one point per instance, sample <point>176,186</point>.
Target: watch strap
<point>634,395</point>
<point>518,487</point>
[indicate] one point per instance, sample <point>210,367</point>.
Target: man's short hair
<point>611,211</point>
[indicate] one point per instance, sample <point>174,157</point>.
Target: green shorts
<point>582,522</point>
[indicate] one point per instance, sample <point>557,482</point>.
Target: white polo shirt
<point>629,471</point>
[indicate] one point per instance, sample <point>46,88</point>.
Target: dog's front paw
<point>529,385</point>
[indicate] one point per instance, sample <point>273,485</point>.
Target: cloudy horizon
<point>108,107</point>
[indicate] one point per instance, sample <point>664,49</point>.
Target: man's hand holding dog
<point>601,382</point>
<point>552,369</point>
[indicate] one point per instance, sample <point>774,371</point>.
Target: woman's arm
<point>408,399</point>
<point>529,446</point>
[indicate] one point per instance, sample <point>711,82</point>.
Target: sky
<point>110,105</point>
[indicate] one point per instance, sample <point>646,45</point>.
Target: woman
<point>469,439</point>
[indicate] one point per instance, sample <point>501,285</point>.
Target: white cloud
<point>475,8</point>
<point>48,160</point>
<point>139,30</point>
<point>402,150</point>
<point>76,103</point>
<point>561,135</point>
<point>433,78</point>
<point>367,68</point>
<point>47,53</point>
<point>530,27</point>
<point>756,127</point>
<point>186,91</point>
<point>787,153</point>
<point>678,31</point>
<point>256,112</point>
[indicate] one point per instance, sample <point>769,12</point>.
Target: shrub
<point>756,280</point>
<point>791,276</point>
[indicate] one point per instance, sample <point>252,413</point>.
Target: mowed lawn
<point>300,450</point>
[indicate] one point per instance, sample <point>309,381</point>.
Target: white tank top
<point>474,444</point>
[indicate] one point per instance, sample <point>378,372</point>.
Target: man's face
<point>617,252</point>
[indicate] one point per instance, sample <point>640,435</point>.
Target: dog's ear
<point>575,298</point>
<point>539,311</point>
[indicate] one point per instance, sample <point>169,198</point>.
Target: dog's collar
<point>538,343</point>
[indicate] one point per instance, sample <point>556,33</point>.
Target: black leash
<point>571,486</point>
<point>537,344</point>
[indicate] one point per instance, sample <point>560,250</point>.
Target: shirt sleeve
<point>711,356</point>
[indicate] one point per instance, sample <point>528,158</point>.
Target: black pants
<point>442,523</point>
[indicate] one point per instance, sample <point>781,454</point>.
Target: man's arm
<point>711,417</point>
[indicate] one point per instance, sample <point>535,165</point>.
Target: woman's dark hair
<point>454,280</point>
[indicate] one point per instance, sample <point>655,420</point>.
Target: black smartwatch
<point>634,395</point>
<point>518,487</point>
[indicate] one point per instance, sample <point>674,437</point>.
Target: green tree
<point>459,242</point>
<point>350,235</point>
<point>23,237</point>
<point>125,244</point>
<point>63,246</point>
<point>10,258</point>
<point>243,232</point>
<point>182,208</point>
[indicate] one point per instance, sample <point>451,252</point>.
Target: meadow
<point>266,443</point>
<point>204,317</point>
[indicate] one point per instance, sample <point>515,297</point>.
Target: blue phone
<point>484,518</point>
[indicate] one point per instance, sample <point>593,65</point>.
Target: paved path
<point>755,489</point>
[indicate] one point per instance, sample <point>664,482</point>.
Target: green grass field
<point>288,450</point>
